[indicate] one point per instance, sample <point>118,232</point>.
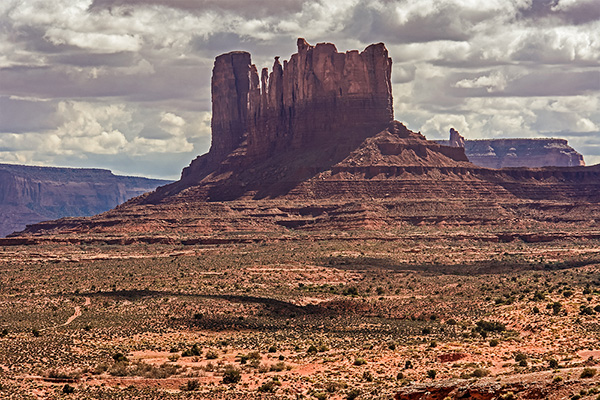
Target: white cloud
<point>494,82</point>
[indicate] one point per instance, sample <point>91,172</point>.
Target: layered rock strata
<point>348,95</point>
<point>32,194</point>
<point>515,153</point>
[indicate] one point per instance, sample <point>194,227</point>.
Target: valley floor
<point>307,318</point>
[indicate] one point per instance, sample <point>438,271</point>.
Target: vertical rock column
<point>230,102</point>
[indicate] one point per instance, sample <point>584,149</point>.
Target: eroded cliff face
<point>531,153</point>
<point>507,153</point>
<point>33,194</point>
<point>318,97</point>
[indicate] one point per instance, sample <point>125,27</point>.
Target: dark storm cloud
<point>21,115</point>
<point>576,13</point>
<point>372,24</point>
<point>258,8</point>
<point>525,84</point>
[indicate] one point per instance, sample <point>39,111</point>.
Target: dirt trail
<point>75,315</point>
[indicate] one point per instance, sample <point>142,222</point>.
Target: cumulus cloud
<point>125,84</point>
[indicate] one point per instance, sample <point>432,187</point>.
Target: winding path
<point>75,315</point>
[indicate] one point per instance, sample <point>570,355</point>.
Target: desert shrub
<point>118,369</point>
<point>480,373</point>
<point>150,371</point>
<point>68,389</point>
<point>119,357</point>
<point>280,366</point>
<point>191,385</point>
<point>431,373</point>
<point>352,394</point>
<point>451,321</point>
<point>490,326</point>
<point>350,291</point>
<point>320,395</point>
<point>35,332</point>
<point>588,372</point>
<point>368,376</point>
<point>193,351</point>
<point>539,296</point>
<point>272,349</point>
<point>494,342</point>
<point>568,293</point>
<point>597,309</point>
<point>523,363</point>
<point>508,396</point>
<point>408,364</point>
<point>270,386</point>
<point>557,379</point>
<point>4,333</point>
<point>231,374</point>
<point>556,308</point>
<point>211,355</point>
<point>360,361</point>
<point>520,357</point>
<point>587,311</point>
<point>312,349</point>
<point>552,363</point>
<point>426,331</point>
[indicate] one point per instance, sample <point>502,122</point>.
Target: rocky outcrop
<point>318,97</point>
<point>32,194</point>
<point>514,153</point>
<point>456,140</point>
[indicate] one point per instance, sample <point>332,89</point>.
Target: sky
<point>125,84</point>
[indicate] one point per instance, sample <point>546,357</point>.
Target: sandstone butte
<point>312,145</point>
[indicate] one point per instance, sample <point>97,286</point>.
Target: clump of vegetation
<point>232,374</point>
<point>431,373</point>
<point>588,373</point>
<point>269,386</point>
<point>211,355</point>
<point>360,361</point>
<point>193,351</point>
<point>191,385</point>
<point>490,326</point>
<point>68,389</point>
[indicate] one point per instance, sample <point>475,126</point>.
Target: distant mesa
<point>31,194</point>
<point>514,153</point>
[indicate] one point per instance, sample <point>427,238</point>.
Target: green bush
<point>431,373</point>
